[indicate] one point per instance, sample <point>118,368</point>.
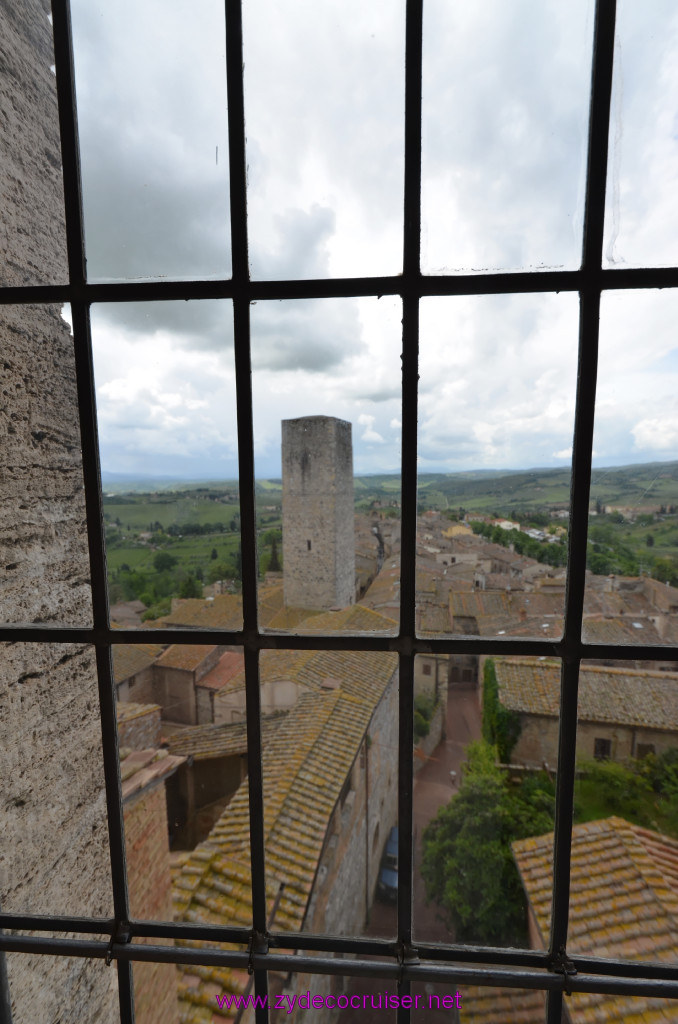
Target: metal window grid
<point>395,959</point>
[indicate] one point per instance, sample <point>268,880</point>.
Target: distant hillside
<point>651,484</point>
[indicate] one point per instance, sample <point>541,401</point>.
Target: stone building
<point>144,775</point>
<point>54,855</point>
<point>622,713</point>
<point>318,513</point>
<point>330,799</point>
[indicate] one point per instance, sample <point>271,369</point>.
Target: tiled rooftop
<point>222,612</point>
<point>128,710</point>
<point>623,904</point>
<point>598,630</point>
<point>616,695</point>
<point>502,1006</point>
<point>205,741</point>
<point>307,755</point>
<point>185,656</point>
<point>129,659</point>
<point>229,665</point>
<point>141,768</point>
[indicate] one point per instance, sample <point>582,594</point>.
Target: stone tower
<point>318,514</point>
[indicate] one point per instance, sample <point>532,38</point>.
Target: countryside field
<point>633,526</point>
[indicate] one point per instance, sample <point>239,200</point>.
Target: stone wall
<point>53,837</point>
<point>139,726</point>
<point>539,740</point>
<point>318,513</point>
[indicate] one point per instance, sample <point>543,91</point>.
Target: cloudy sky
<point>505,106</point>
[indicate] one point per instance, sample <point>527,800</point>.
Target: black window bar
<point>397,959</point>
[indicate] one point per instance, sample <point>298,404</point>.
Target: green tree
<point>467,862</point>
<point>424,707</point>
<point>163,561</point>
<point>190,587</point>
<point>213,554</point>
<point>501,727</point>
<point>274,561</point>
<point>219,571</point>
<point>666,570</point>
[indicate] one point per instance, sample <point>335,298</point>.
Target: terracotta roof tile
<point>307,755</point>
<point>185,656</point>
<point>228,666</point>
<point>129,659</point>
<point>615,695</point>
<point>623,904</point>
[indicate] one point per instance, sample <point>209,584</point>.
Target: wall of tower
<point>318,513</point>
<point>53,836</point>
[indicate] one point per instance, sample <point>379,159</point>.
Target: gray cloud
<point>505,123</point>
<point>310,335</point>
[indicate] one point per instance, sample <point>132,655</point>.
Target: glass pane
<point>625,834</point>
<point>43,542</point>
<point>641,214</point>
<point>492,529</point>
<point>330,789</point>
<point>471,1004</point>
<point>185,803</point>
<point>82,989</point>
<point>329,510</point>
<point>488,783</point>
<point>632,585</point>
<point>153,138</point>
<point>168,434</point>
<point>324,96</point>
<point>33,234</point>
<point>374,1000</point>
<point>54,808</point>
<point>505,122</point>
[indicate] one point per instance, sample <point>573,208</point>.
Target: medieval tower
<point>318,514</point>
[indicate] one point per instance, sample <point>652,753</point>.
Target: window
<point>602,749</point>
<point>403,960</point>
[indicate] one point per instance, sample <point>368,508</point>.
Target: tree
<point>190,587</point>
<point>649,540</point>
<point>163,561</point>
<point>213,554</point>
<point>274,561</point>
<point>501,727</point>
<point>467,863</point>
<point>666,570</point>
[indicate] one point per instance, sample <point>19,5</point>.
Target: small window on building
<point>308,545</point>
<point>426,670</point>
<point>602,749</point>
<point>644,750</point>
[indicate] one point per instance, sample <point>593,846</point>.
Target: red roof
<point>228,666</point>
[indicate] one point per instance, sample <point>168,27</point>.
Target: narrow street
<point>433,787</point>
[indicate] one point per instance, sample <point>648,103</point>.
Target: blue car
<point>387,883</point>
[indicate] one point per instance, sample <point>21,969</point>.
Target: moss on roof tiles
<point>129,659</point>
<point>623,904</point>
<point>306,760</point>
<point>615,695</point>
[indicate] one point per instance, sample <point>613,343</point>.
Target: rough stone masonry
<point>53,837</point>
<point>318,513</point>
